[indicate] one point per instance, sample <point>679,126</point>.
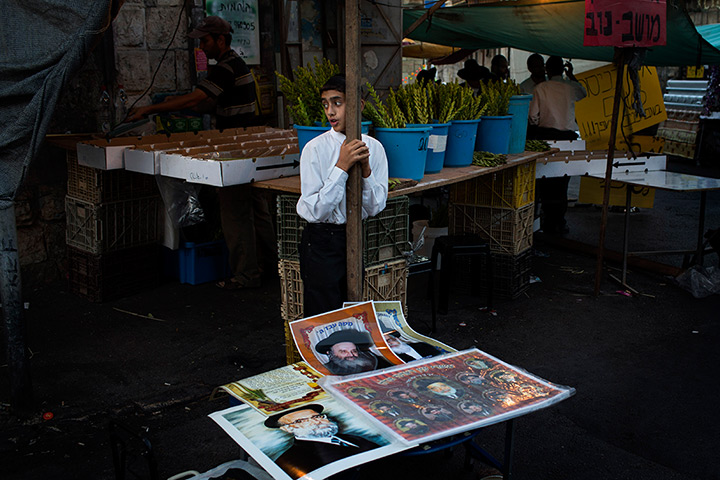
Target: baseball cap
<point>212,24</point>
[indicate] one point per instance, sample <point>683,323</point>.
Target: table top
<point>679,182</point>
<point>446,176</point>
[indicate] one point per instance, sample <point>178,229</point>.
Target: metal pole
<point>608,169</point>
<point>352,131</point>
<point>626,233</point>
<point>12,309</point>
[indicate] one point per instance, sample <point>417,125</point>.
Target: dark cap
<point>272,422</point>
<point>352,336</point>
<point>211,24</point>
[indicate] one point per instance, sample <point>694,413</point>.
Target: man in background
<point>536,67</point>
<point>244,211</point>
<point>552,117</point>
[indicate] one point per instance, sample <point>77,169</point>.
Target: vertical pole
<point>626,234</point>
<point>354,183</point>
<point>608,171</point>
<point>701,229</point>
<point>12,310</point>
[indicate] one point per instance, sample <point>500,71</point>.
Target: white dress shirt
<point>527,85</point>
<point>323,184</point>
<point>553,103</point>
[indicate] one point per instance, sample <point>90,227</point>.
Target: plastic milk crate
<point>111,226</point>
<point>112,275</point>
<point>203,262</point>
<point>509,230</point>
<point>508,188</point>
<point>380,282</point>
<point>511,274</point>
<point>99,186</point>
<point>385,236</point>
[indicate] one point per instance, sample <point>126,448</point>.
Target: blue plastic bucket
<point>461,143</point>
<point>437,144</point>
<point>364,126</point>
<point>305,134</point>
<point>494,134</point>
<point>406,150</point>
<point>519,107</point>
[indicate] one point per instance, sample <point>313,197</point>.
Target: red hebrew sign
<point>616,23</point>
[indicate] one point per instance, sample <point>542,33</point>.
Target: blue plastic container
<point>461,143</point>
<point>203,262</point>
<point>406,150</point>
<point>364,126</point>
<point>494,134</point>
<point>305,134</point>
<point>437,144</point>
<point>519,107</point>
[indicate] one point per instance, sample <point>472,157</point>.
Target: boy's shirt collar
<point>338,136</point>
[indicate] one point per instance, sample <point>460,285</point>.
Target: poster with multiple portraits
<point>442,396</point>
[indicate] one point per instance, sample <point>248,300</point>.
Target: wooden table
<point>446,176</point>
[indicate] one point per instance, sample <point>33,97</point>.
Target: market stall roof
<point>556,28</point>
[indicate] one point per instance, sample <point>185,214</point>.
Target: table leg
<point>626,234</point>
<point>509,447</point>
<point>701,229</point>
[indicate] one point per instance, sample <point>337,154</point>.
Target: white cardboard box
<point>221,173</point>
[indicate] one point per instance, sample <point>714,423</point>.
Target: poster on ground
<point>310,442</point>
<point>441,396</point>
<point>344,341</point>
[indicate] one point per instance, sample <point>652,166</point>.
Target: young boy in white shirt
<point>324,165</point>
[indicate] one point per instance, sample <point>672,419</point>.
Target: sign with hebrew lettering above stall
<point>616,23</point>
<point>594,112</point>
<point>244,17</point>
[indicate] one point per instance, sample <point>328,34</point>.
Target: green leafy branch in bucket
<point>456,102</point>
<point>303,93</point>
<point>496,96</point>
<point>413,102</point>
<point>382,115</point>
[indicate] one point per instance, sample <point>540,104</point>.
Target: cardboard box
<point>221,173</point>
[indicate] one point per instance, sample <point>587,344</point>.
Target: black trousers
<point>551,192</point>
<point>323,267</point>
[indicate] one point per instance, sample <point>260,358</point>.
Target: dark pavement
<point>645,368</point>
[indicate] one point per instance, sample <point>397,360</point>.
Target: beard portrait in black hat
<point>347,353</point>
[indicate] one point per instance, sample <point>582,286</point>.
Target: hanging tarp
<point>556,28</point>
<point>43,43</point>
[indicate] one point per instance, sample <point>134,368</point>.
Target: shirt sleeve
<point>220,78</point>
<point>321,194</point>
<point>580,91</point>
<point>375,187</point>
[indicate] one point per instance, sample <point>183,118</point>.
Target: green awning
<point>556,28</point>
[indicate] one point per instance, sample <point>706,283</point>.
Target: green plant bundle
<point>455,102</point>
<point>496,96</point>
<point>387,114</point>
<point>303,93</point>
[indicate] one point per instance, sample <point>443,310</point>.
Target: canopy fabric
<point>43,43</point>
<point>426,50</point>
<point>556,28</point>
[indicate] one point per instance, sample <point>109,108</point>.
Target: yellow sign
<point>591,191</point>
<point>695,72</point>
<point>594,113</point>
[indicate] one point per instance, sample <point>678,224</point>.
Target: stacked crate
<point>385,237</point>
<point>498,207</point>
<point>111,231</point>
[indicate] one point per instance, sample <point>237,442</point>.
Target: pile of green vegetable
<point>487,159</point>
<point>537,146</point>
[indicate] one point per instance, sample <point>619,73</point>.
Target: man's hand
<point>569,71</point>
<point>137,113</point>
<point>353,152</point>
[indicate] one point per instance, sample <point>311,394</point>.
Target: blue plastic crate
<point>203,262</point>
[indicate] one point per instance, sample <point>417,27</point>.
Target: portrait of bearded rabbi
<point>348,353</point>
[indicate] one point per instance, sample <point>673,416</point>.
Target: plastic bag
<point>700,281</point>
<point>232,470</point>
<point>182,201</point>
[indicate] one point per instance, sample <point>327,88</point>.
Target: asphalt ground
<point>645,367</point>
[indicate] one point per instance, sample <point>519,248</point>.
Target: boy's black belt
<point>326,227</point>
